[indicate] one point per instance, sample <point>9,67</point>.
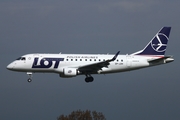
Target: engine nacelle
<point>69,72</point>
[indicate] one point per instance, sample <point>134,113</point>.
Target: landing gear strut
<point>30,77</point>
<point>89,78</point>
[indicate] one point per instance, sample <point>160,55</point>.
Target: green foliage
<point>83,115</point>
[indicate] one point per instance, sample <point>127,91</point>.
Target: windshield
<point>21,58</point>
<point>18,58</point>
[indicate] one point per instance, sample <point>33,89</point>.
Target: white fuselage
<point>56,63</point>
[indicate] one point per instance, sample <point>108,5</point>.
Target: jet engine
<point>69,72</point>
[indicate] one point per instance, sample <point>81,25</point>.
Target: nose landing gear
<point>30,76</point>
<point>29,80</point>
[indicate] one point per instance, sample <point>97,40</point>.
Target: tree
<point>83,115</point>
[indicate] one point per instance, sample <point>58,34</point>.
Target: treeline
<point>83,115</point>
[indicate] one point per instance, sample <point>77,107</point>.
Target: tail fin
<point>157,46</point>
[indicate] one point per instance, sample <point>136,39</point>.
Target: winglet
<point>115,56</point>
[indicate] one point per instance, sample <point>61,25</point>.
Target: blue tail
<point>157,46</point>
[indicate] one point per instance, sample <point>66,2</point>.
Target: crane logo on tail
<point>159,43</point>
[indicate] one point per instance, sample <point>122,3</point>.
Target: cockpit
<point>21,58</point>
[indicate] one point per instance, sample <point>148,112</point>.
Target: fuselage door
<point>128,60</point>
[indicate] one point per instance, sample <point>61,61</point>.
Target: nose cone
<point>10,66</point>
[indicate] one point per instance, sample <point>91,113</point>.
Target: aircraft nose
<point>10,66</point>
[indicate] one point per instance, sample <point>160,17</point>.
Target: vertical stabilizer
<point>157,46</point>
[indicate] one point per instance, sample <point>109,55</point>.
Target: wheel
<point>89,79</point>
<point>86,79</point>
<point>29,80</point>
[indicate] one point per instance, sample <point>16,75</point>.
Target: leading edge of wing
<point>98,65</point>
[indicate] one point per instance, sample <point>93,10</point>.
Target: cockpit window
<point>21,58</point>
<point>18,58</point>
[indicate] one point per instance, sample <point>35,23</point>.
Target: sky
<point>98,27</point>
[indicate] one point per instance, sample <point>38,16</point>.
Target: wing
<point>90,68</point>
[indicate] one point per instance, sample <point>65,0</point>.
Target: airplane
<point>71,65</point>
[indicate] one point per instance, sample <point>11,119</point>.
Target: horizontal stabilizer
<point>165,59</point>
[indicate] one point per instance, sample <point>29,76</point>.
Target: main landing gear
<point>30,77</point>
<point>89,78</point>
